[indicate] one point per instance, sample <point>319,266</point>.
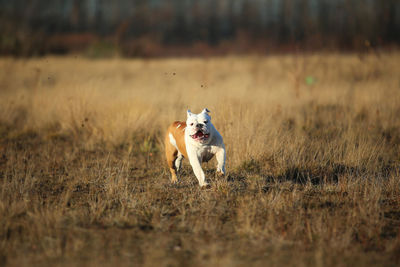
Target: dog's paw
<point>219,174</point>
<point>205,185</point>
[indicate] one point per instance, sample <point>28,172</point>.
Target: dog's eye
<point>205,121</point>
<point>191,124</point>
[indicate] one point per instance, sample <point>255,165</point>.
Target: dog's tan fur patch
<point>177,131</point>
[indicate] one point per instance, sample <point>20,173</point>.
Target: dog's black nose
<point>199,125</point>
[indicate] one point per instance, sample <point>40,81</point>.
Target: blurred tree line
<point>162,27</point>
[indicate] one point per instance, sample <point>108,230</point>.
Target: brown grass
<point>312,147</point>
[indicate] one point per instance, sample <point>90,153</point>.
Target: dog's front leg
<point>198,171</point>
<point>221,156</point>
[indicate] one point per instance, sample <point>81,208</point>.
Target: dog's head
<point>199,127</point>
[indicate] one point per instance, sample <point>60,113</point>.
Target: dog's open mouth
<point>199,135</point>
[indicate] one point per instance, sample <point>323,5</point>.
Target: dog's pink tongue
<point>199,134</point>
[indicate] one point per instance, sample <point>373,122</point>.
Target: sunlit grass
<point>312,161</point>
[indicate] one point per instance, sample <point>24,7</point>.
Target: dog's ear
<point>189,113</point>
<point>205,110</point>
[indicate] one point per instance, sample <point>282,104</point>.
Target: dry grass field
<point>313,162</point>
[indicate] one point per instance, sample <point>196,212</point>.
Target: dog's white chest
<point>206,153</point>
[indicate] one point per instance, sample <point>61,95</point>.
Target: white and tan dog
<point>196,139</point>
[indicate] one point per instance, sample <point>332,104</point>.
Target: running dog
<point>197,140</point>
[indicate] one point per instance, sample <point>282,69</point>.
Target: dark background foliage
<point>181,27</point>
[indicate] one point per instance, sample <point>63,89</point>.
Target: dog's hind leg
<point>171,159</point>
<point>171,154</point>
<point>178,161</point>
